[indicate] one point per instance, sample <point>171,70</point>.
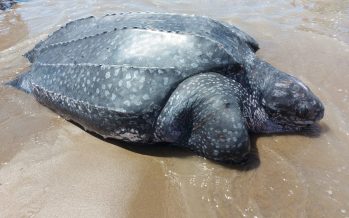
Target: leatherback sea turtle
<point>151,77</point>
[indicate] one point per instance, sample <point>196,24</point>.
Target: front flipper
<point>204,115</point>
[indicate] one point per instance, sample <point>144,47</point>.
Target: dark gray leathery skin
<point>244,36</point>
<point>290,104</point>
<point>125,89</point>
<point>231,38</point>
<point>238,45</point>
<point>115,101</point>
<point>205,115</point>
<point>105,121</point>
<point>114,75</point>
<point>141,48</point>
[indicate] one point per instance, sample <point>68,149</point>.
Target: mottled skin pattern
<point>290,104</point>
<point>228,36</point>
<point>144,77</point>
<point>206,114</point>
<point>258,76</point>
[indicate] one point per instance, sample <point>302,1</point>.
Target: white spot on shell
<point>146,97</point>
<point>107,75</point>
<point>127,103</point>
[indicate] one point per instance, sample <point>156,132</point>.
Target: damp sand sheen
<point>51,167</point>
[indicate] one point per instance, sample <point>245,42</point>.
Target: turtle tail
<point>22,82</point>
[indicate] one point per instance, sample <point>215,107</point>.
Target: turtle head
<point>289,102</point>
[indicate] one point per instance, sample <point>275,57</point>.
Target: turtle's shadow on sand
<point>312,131</point>
<point>168,150</point>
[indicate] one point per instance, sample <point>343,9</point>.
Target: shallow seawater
<point>50,167</point>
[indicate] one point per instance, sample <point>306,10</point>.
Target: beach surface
<point>50,167</point>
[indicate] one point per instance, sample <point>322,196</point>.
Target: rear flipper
<point>22,82</point>
<point>204,115</point>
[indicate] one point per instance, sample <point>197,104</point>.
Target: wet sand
<point>51,168</point>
